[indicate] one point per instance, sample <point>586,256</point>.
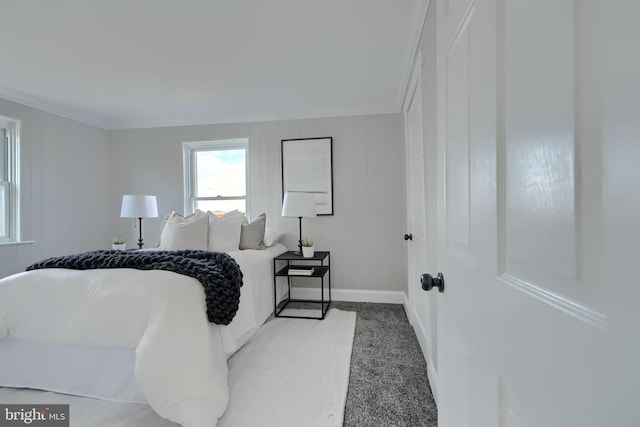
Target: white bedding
<point>180,358</point>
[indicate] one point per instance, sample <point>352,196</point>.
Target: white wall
<point>365,233</point>
<point>64,186</point>
<point>68,168</point>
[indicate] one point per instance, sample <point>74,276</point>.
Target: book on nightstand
<point>300,271</point>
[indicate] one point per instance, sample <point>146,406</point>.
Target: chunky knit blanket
<point>218,272</point>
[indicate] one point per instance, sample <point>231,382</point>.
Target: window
<point>215,176</point>
<point>9,179</point>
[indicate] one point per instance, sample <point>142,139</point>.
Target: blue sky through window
<point>220,173</point>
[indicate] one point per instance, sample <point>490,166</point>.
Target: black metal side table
<point>321,265</point>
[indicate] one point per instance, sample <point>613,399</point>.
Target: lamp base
<point>140,241</point>
<point>299,252</point>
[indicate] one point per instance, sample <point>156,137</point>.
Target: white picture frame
<point>307,166</point>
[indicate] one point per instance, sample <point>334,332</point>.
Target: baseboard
<point>353,295</point>
<point>421,334</point>
<point>405,303</point>
<point>433,381</point>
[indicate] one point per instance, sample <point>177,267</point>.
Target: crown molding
<point>38,104</point>
<point>364,110</point>
<point>143,123</point>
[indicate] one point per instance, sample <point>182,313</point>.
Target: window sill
<point>19,242</point>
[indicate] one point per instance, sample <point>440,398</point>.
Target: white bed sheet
<point>257,270</point>
<point>84,363</point>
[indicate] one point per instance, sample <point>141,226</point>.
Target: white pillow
<point>224,231</point>
<point>272,236</point>
<point>181,233</point>
<point>191,217</point>
<point>196,215</point>
<point>252,233</point>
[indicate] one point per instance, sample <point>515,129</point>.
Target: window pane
<point>4,209</point>
<point>4,155</point>
<point>220,207</point>
<point>220,173</point>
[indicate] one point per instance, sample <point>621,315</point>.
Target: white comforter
<point>180,358</point>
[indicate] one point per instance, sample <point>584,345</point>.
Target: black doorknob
<point>408,236</point>
<point>428,282</point>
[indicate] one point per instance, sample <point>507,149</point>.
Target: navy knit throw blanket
<point>218,272</point>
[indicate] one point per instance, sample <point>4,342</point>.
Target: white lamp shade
<point>299,204</point>
<point>139,206</point>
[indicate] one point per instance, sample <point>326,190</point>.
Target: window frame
<point>189,149</point>
<point>12,128</point>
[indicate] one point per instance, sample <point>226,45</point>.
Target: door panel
<point>466,170</point>
<point>417,222</point>
<point>522,325</point>
<point>539,109</point>
<point>420,302</point>
<point>552,213</point>
<point>457,188</point>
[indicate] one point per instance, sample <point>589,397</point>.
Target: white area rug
<point>293,372</point>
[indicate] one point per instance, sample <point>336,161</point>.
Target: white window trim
<point>188,173</point>
<point>13,127</point>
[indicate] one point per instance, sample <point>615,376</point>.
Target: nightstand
<point>299,267</point>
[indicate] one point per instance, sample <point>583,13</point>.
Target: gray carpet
<point>388,384</point>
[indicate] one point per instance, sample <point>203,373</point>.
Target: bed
<point>129,335</point>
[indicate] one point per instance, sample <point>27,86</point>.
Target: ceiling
<point>122,64</point>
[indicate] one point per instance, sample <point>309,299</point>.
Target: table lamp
<point>139,206</point>
<point>301,205</point>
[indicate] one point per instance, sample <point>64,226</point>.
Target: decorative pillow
<point>224,231</point>
<point>196,215</point>
<point>191,217</point>
<point>181,233</point>
<point>272,236</point>
<point>252,233</point>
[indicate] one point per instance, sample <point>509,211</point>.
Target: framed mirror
<point>307,166</point>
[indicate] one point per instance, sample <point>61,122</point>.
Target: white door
<point>537,203</point>
<point>419,302</point>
